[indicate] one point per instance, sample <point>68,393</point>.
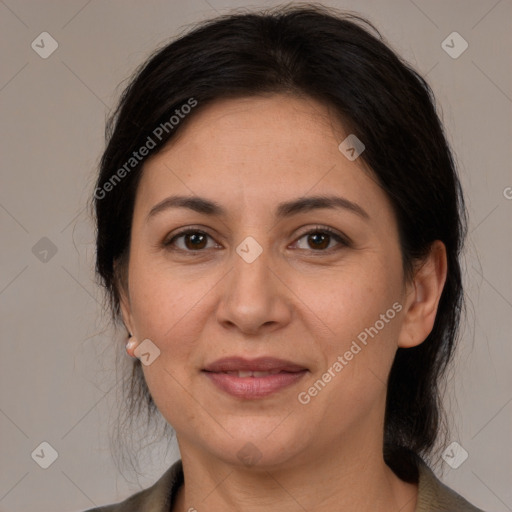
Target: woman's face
<point>251,283</point>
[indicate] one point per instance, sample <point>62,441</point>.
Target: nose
<point>255,299</point>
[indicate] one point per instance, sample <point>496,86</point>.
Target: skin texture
<point>301,299</point>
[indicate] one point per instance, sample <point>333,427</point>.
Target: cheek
<point>348,300</point>
<point>167,310</point>
<point>163,299</point>
<point>361,313</point>
<point>357,364</point>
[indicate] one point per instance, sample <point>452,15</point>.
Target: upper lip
<point>229,364</point>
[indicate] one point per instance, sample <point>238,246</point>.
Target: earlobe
<point>131,345</point>
<point>421,307</point>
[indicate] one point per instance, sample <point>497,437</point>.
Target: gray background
<point>57,375</point>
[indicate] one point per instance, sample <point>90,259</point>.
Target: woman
<point>279,225</point>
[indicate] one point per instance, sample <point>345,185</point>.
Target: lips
<point>253,379</point>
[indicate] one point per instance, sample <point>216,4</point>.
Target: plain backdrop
<point>58,383</point>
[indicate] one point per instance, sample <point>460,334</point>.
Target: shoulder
<point>157,498</point>
<point>434,496</point>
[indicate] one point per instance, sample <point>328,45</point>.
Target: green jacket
<point>433,496</point>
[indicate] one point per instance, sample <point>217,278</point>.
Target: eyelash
<point>343,241</point>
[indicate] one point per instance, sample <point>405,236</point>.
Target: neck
<point>344,478</point>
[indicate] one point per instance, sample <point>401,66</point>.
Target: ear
<point>423,297</point>
<point>124,297</point>
<point>124,304</point>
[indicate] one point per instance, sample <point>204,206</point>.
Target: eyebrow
<point>283,210</point>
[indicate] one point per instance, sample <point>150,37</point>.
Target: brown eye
<point>193,240</point>
<point>320,239</point>
<point>317,240</point>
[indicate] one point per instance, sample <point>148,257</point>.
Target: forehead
<point>259,151</point>
<point>237,130</point>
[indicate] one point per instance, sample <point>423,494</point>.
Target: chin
<point>258,444</point>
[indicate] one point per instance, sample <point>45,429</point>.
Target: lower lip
<point>254,387</point>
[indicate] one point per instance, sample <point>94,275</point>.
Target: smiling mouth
<point>250,379</point>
